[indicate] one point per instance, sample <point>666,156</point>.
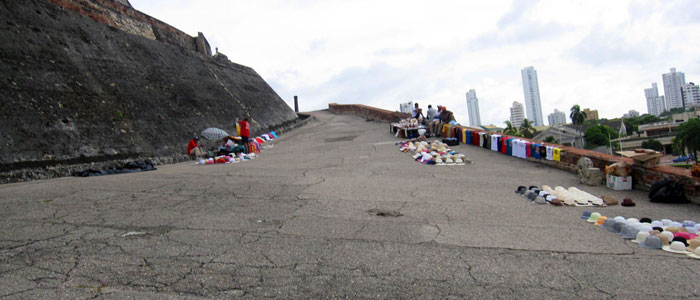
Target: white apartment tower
<point>557,117</point>
<point>673,83</point>
<point>473,108</point>
<point>691,95</point>
<point>517,114</point>
<point>655,104</point>
<point>531,89</point>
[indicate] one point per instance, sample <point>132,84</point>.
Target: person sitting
<point>194,149</point>
<point>417,112</point>
<point>445,117</point>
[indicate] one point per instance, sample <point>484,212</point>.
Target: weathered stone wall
<point>97,80</point>
<point>368,112</point>
<point>642,177</point>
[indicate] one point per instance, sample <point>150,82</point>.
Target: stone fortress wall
<point>92,81</point>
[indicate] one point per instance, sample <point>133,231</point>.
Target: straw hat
<point>676,247</point>
<point>695,254</point>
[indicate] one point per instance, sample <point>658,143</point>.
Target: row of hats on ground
<point>665,234</point>
<point>431,153</point>
<point>562,196</point>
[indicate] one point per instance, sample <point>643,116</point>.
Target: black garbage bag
<point>667,191</point>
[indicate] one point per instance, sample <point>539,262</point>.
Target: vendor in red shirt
<point>245,133</point>
<point>194,149</point>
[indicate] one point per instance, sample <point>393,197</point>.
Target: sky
<point>597,54</point>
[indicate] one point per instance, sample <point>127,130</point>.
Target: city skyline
<point>586,53</point>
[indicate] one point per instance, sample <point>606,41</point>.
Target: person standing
<point>435,122</point>
<point>245,133</point>
<point>431,114</point>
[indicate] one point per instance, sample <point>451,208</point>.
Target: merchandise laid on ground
<point>504,144</point>
<point>665,234</point>
<point>254,146</point>
<point>432,153</point>
<point>570,197</point>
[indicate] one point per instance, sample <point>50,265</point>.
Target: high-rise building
<point>673,83</point>
<point>517,114</point>
<point>591,114</point>
<point>631,114</point>
<point>557,117</point>
<point>655,104</point>
<point>531,90</point>
<point>691,95</point>
<point>473,108</point>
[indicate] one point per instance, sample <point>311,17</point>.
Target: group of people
<point>196,150</point>
<point>434,118</point>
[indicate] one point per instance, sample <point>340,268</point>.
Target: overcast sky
<point>598,54</point>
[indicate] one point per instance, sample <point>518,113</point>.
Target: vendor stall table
<point>407,131</point>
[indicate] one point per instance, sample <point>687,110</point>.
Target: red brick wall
<point>643,177</point>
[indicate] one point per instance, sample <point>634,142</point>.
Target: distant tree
<point>509,130</point>
<point>631,126</point>
<point>599,135</point>
<point>689,136</point>
<point>526,129</point>
<point>577,117</point>
<point>653,144</point>
<point>551,139</point>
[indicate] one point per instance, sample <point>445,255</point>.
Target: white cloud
<point>599,54</point>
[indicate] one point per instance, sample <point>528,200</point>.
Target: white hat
<point>632,221</point>
<point>666,222</point>
<point>641,236</point>
<point>619,219</point>
<point>657,224</point>
<point>695,254</point>
<point>676,247</point>
<point>668,234</point>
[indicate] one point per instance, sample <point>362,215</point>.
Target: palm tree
<point>509,130</point>
<point>526,129</point>
<point>689,136</point>
<point>577,117</point>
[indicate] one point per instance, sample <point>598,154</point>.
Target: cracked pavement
<point>296,223</point>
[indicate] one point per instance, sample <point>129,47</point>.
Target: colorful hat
<point>687,223</point>
<point>695,254</point>
<point>586,214</point>
<point>666,222</point>
<point>641,236</point>
<point>675,247</point>
<point>600,221</point>
<point>593,218</point>
<point>651,242</point>
<point>685,235</point>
